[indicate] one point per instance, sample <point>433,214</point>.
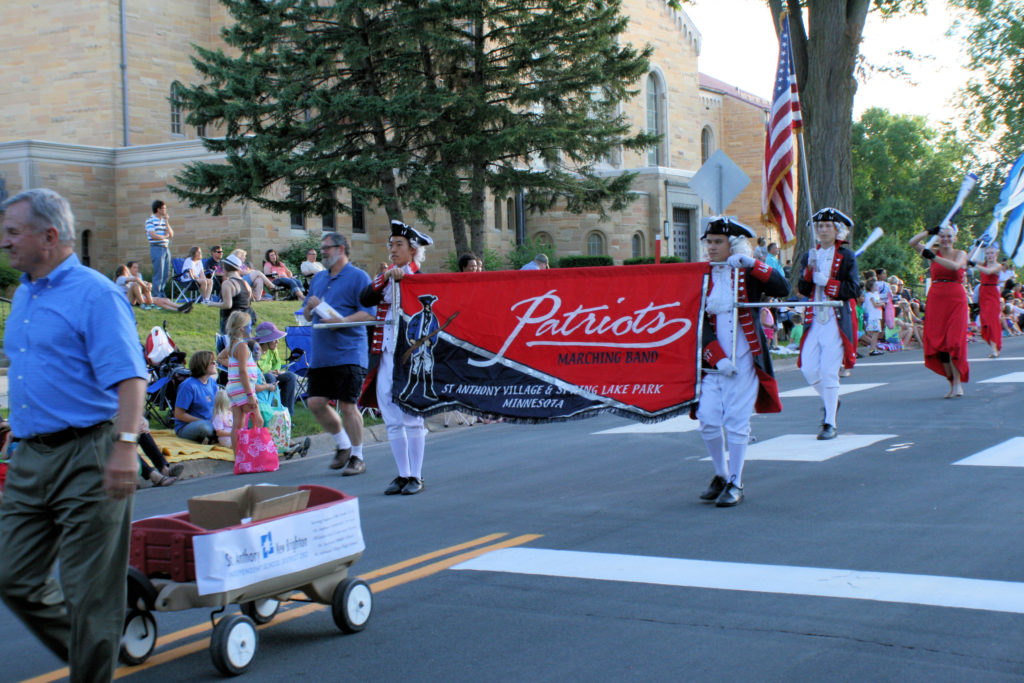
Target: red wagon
<point>163,576</point>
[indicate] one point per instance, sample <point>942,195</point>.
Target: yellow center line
<point>288,615</point>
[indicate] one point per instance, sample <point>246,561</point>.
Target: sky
<point>739,46</point>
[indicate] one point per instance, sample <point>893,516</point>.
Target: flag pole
<point>807,183</point>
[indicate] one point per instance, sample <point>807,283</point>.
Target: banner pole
<point>735,312</point>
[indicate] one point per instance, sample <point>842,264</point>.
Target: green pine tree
<point>415,105</point>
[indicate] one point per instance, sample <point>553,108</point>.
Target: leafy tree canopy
<point>905,178</point>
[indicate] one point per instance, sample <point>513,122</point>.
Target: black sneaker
<point>185,307</point>
<point>396,486</point>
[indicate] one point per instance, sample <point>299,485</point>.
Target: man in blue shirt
<point>339,358</point>
<point>77,382</point>
<point>159,233</point>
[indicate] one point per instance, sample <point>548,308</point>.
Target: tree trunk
<point>825,58</point>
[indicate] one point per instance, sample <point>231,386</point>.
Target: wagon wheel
<point>351,605</point>
<point>261,611</point>
<point>141,591</point>
<point>233,644</point>
<point>138,637</point>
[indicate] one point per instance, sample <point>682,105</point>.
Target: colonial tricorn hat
<point>427,299</point>
<point>726,225</point>
<point>833,215</point>
<point>415,237</point>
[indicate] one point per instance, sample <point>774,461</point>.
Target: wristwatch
<point>127,437</point>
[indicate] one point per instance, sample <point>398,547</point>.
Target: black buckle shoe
<point>714,489</point>
<point>412,486</point>
<point>731,495</point>
<point>396,486</point>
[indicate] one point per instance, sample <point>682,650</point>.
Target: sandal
<point>176,470</point>
<point>164,480</point>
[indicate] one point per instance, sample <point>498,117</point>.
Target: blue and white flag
<point>1011,203</point>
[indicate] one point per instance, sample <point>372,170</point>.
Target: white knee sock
<point>737,454</point>
<point>830,397</point>
<point>341,438</point>
<point>716,449</point>
<point>417,437</point>
<point>357,451</point>
<point>399,449</point>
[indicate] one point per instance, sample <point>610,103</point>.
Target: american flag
<point>779,180</point>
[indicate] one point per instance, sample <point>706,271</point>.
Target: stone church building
<point>86,108</point>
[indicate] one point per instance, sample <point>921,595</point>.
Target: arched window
<point>707,144</point>
<point>638,245</point>
<point>544,238</point>
<point>510,213</point>
<point>655,118</point>
<point>595,244</point>
<point>497,214</point>
<point>175,100</point>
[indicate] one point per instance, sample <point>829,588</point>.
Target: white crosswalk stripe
<point>915,589</point>
<point>807,448</point>
<point>1013,377</point>
<point>1009,453</point>
<point>683,423</point>
<point>805,392</point>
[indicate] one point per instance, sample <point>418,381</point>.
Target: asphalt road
<point>614,570</point>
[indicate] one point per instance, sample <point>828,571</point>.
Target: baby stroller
<point>167,371</point>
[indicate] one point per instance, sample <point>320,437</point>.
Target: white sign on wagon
<point>235,558</point>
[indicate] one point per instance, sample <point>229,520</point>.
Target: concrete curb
<point>320,444</point>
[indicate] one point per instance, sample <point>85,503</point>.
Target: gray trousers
<point>54,508</point>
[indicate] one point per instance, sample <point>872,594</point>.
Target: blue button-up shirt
<point>71,339</point>
<point>347,345</point>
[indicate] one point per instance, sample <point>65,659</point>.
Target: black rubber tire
<point>261,611</point>
<point>138,637</point>
<point>141,592</point>
<point>351,605</point>
<point>233,644</point>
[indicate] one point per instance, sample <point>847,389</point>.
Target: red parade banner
<point>549,345</point>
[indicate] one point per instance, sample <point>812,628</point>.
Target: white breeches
<point>822,354</point>
<point>406,433</point>
<point>727,402</point>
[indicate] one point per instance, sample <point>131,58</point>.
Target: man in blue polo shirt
<point>77,382</point>
<point>159,233</point>
<point>339,357</point>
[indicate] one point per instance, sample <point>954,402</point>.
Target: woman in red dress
<point>989,301</point>
<point>945,318</point>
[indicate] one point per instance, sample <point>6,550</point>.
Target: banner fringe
<point>682,409</point>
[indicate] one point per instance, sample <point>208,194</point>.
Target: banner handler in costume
<point>945,320</point>
<point>829,273</point>
<point>406,433</point>
<point>745,382</point>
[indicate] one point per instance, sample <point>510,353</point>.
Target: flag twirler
<point>779,181</point>
<point>1011,203</point>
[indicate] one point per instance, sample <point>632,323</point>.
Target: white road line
<point>807,448</point>
<point>1003,379</point>
<point>915,589</point>
<point>920,361</point>
<point>805,392</point>
<point>682,423</point>
<point>1006,454</point>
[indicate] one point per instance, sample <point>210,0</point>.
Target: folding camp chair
<point>299,338</point>
<point>183,287</point>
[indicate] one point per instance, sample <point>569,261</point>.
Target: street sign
<point>719,181</point>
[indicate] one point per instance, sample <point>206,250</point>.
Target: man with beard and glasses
<point>339,357</point>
